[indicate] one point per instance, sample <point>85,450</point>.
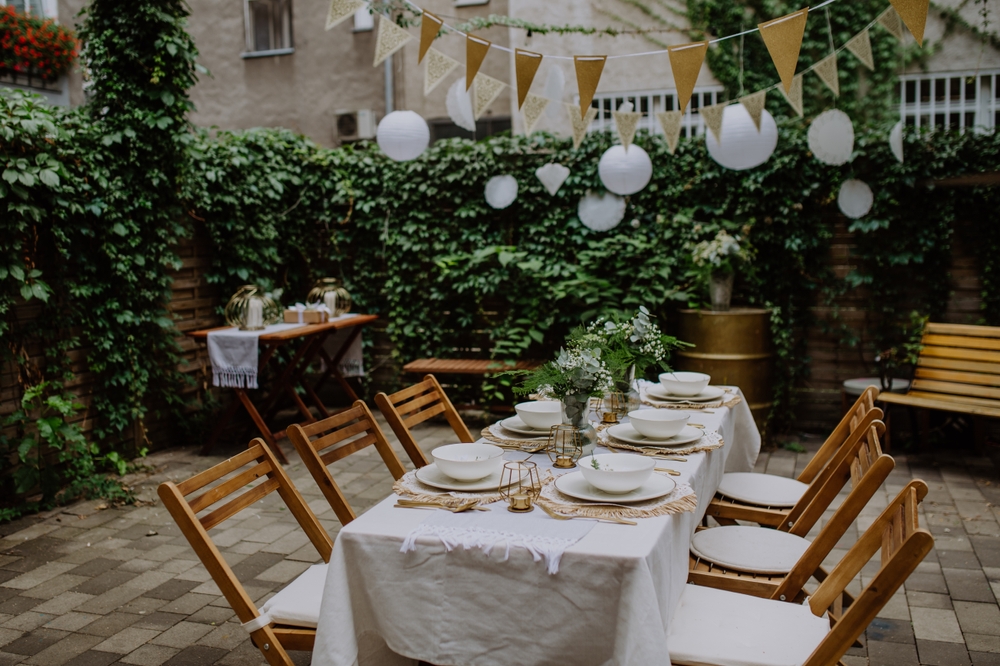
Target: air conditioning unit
<point>355,125</point>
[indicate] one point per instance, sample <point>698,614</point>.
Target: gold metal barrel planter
<point>734,347</point>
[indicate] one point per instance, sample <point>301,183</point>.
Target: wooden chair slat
<point>420,417</point>
<point>418,402</point>
<point>963,329</point>
<point>210,497</point>
<point>961,341</point>
<point>962,354</point>
<point>952,388</point>
<point>973,378</point>
<point>202,479</point>
<point>334,421</point>
<point>954,364</point>
<point>410,391</point>
<point>337,436</point>
<point>342,452</point>
<point>233,507</point>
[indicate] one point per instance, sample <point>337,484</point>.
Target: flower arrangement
<point>576,371</point>
<point>33,46</point>
<point>722,254</point>
<point>628,342</point>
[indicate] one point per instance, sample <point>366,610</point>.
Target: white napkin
<point>233,354</point>
<point>536,532</point>
<point>352,364</point>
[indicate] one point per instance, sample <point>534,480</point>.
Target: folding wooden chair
<point>770,563</point>
<point>773,500</point>
<point>334,442</point>
<point>720,628</point>
<point>414,405</point>
<point>287,621</point>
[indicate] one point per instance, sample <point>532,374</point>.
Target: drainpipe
<point>390,97</point>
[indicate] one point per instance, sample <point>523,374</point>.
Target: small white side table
<point>852,388</point>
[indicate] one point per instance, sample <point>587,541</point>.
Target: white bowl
<point>468,462</point>
<point>616,474</point>
<point>540,414</point>
<point>684,383</point>
<point>658,423</point>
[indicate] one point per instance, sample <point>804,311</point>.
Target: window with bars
<point>42,8</point>
<point>268,27</point>
<point>951,100</point>
<point>651,102</point>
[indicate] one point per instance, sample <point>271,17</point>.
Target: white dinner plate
<point>710,393</point>
<point>575,485</point>
<point>434,477</point>
<point>515,424</point>
<point>626,433</point>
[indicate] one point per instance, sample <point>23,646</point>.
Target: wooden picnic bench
<point>958,370</point>
<point>465,366</point>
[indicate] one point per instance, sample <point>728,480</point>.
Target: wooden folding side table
<point>312,337</point>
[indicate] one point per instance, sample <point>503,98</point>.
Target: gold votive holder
<point>565,445</point>
<point>520,485</point>
<point>614,406</point>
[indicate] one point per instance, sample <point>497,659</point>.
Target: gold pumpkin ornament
<point>324,286</point>
<point>251,309</point>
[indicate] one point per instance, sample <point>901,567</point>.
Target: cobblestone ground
<point>92,586</point>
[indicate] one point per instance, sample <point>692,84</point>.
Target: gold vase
<point>324,286</point>
<point>251,309</point>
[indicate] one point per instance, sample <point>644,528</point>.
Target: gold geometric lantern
<point>520,485</point>
<point>331,293</point>
<point>614,407</point>
<point>251,309</point>
<point>565,446</point>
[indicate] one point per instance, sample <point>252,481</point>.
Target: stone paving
<point>91,586</point>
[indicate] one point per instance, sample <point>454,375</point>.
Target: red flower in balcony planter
<point>33,46</point>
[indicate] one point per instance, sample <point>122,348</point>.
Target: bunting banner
<point>914,15</point>
<point>826,70</point>
<point>794,96</point>
<point>532,109</point>
<point>861,46</point>
<point>580,124</point>
<point>670,121</point>
<point>783,38</point>
<point>712,115</point>
<point>588,75</point>
<point>430,25</point>
<point>889,20</point>
<point>437,67</point>
<point>476,49</point>
<point>525,66</point>
<point>754,104</point>
<point>390,39</point>
<point>685,63</point>
<point>341,10</point>
<point>486,91</point>
<point>626,123</point>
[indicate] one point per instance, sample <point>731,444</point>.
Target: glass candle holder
<point>614,407</point>
<point>520,485</point>
<point>565,445</point>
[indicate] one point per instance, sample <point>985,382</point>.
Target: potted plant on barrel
<point>716,261</point>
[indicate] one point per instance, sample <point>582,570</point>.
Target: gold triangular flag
<point>794,96</point>
<point>914,15</point>
<point>340,10</point>
<point>580,124</point>
<point>685,63</point>
<point>476,49</point>
<point>532,109</point>
<point>525,65</point>
<point>889,20</point>
<point>626,123</point>
<point>437,67</point>
<point>670,121</point>
<point>861,46</point>
<point>588,75</point>
<point>826,70</point>
<point>486,91</point>
<point>712,115</point>
<point>783,38</point>
<point>430,25</point>
<point>754,104</point>
<point>390,39</point>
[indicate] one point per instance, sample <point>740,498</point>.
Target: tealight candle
<point>255,314</point>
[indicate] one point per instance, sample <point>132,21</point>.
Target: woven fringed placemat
<point>410,487</point>
<point>497,434</point>
<point>682,498</point>
<point>708,442</point>
<point>728,400</point>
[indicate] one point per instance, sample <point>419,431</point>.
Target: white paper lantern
<point>831,137</point>
<point>896,141</point>
<point>855,199</point>
<point>501,191</point>
<point>459,106</point>
<point>600,213</point>
<point>625,171</point>
<point>403,135</point>
<point>552,176</point>
<point>742,146</point>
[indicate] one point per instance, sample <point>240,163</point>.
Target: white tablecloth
<point>610,603</point>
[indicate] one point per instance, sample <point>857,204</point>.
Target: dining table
<point>397,594</point>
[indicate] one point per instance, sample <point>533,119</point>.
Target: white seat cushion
<point>718,628</point>
<point>754,549</point>
<point>298,603</point>
<point>761,489</point>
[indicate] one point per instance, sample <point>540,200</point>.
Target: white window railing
<point>951,100</point>
<point>650,102</point>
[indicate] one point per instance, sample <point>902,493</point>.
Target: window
<point>951,100</point>
<point>652,102</point>
<point>268,27</point>
<point>364,20</point>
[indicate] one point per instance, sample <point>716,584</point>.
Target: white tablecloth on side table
<point>610,603</point>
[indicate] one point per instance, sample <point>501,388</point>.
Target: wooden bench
<point>958,370</point>
<point>465,366</point>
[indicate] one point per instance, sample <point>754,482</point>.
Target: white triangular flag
<point>712,115</point>
<point>889,20</point>
<point>754,104</point>
<point>670,121</point>
<point>437,67</point>
<point>486,90</point>
<point>341,10</point>
<point>580,125</point>
<point>861,46</point>
<point>826,70</point>
<point>532,109</point>
<point>794,95</point>
<point>390,39</point>
<point>626,123</point>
